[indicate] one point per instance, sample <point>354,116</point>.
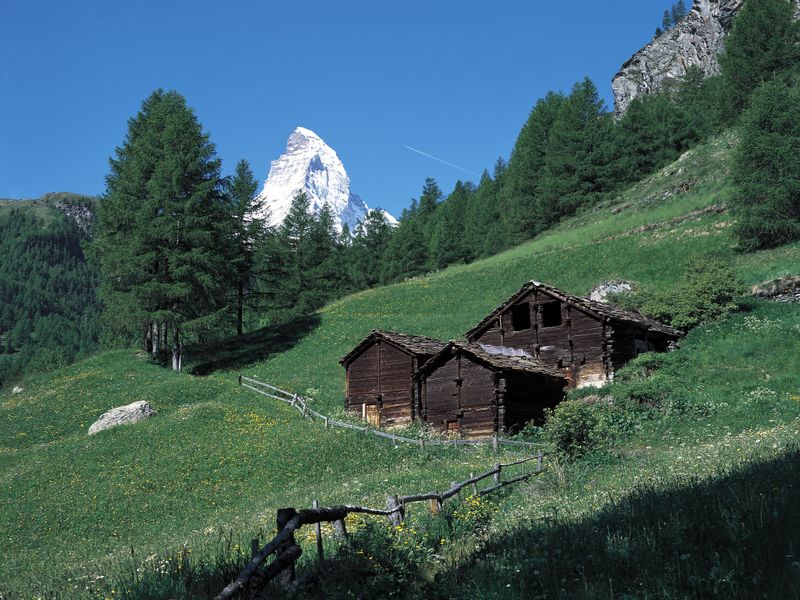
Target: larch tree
<point>249,224</point>
<point>764,41</point>
<point>162,229</point>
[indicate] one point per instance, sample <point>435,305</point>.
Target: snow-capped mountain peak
<point>310,165</point>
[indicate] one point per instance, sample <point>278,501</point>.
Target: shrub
<point>575,428</point>
<point>706,292</point>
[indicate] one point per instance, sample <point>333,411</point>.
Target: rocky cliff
<point>697,40</point>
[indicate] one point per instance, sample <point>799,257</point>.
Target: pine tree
<point>521,204</point>
<point>368,249</point>
<point>407,252</point>
<point>666,20</point>
<point>678,12</point>
<point>161,229</point>
<point>577,157</point>
<point>764,41</point>
<point>248,237</point>
<point>766,169</point>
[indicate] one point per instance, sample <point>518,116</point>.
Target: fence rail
<point>301,404</point>
<point>289,520</point>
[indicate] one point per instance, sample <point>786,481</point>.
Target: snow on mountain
<point>310,165</point>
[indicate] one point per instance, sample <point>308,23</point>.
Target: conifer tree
<point>766,169</point>
<point>666,20</point>
<point>162,227</point>
<point>368,249</point>
<point>248,237</point>
<point>522,208</point>
<point>575,170</point>
<point>678,12</point>
<point>764,41</point>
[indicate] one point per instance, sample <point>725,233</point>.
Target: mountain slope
<point>218,458</point>
<point>311,166</point>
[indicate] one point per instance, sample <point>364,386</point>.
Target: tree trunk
<point>156,338</point>
<point>148,339</point>
<point>240,310</point>
<point>176,350</point>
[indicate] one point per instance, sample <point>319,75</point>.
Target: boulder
<point>18,389</point>
<point>122,415</point>
<point>601,292</point>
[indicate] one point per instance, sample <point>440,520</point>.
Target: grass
<point>187,487</point>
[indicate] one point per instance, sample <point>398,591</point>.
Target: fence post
<point>326,422</point>
<point>396,510</point>
<point>240,380</point>
<point>340,529</point>
<point>539,462</point>
<point>318,531</point>
<point>474,485</point>
<point>304,410</point>
<point>283,517</point>
<point>422,444</point>
<point>497,473</point>
<point>436,506</point>
<point>294,399</point>
<point>494,441</point>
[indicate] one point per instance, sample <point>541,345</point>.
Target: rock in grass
<point>122,415</point>
<point>601,292</point>
<point>18,389</point>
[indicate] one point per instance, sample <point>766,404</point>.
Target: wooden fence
<point>289,520</point>
<point>301,404</point>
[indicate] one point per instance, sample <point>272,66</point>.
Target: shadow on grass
<point>737,536</point>
<point>239,351</point>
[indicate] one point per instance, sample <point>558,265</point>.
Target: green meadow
<point>695,491</point>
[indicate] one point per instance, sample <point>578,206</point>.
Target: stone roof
<point>413,344</point>
<point>494,361</point>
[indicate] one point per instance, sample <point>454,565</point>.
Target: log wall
<point>577,346</point>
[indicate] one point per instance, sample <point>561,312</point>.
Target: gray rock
<point>697,40</point>
<point>601,292</point>
<point>122,415</point>
<point>18,389</point>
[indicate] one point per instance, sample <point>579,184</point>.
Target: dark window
<point>521,317</point>
<point>551,314</point>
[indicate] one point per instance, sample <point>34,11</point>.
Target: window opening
<point>551,314</point>
<point>521,316</point>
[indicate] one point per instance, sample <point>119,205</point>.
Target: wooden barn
<point>474,390</point>
<point>379,376</point>
<point>587,341</point>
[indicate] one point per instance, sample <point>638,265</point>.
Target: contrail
<point>441,160</point>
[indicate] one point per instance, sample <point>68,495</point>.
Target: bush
<point>575,427</point>
<point>706,292</point>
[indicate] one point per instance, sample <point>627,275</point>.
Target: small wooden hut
<point>474,390</point>
<point>587,341</point>
<point>379,376</point>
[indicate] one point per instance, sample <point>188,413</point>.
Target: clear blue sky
<point>453,79</point>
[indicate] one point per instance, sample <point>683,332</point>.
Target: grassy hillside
<point>210,469</point>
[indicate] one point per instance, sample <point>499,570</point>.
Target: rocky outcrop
<point>602,291</point>
<point>122,415</point>
<point>784,289</point>
<point>82,216</point>
<point>697,40</point>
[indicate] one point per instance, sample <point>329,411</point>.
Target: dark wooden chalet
<point>379,376</point>
<point>475,390</point>
<point>588,341</point>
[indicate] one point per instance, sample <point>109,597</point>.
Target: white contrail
<point>441,160</point>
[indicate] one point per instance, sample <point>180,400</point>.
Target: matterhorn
<point>309,165</point>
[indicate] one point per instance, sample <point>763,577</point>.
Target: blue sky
<point>453,79</point>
